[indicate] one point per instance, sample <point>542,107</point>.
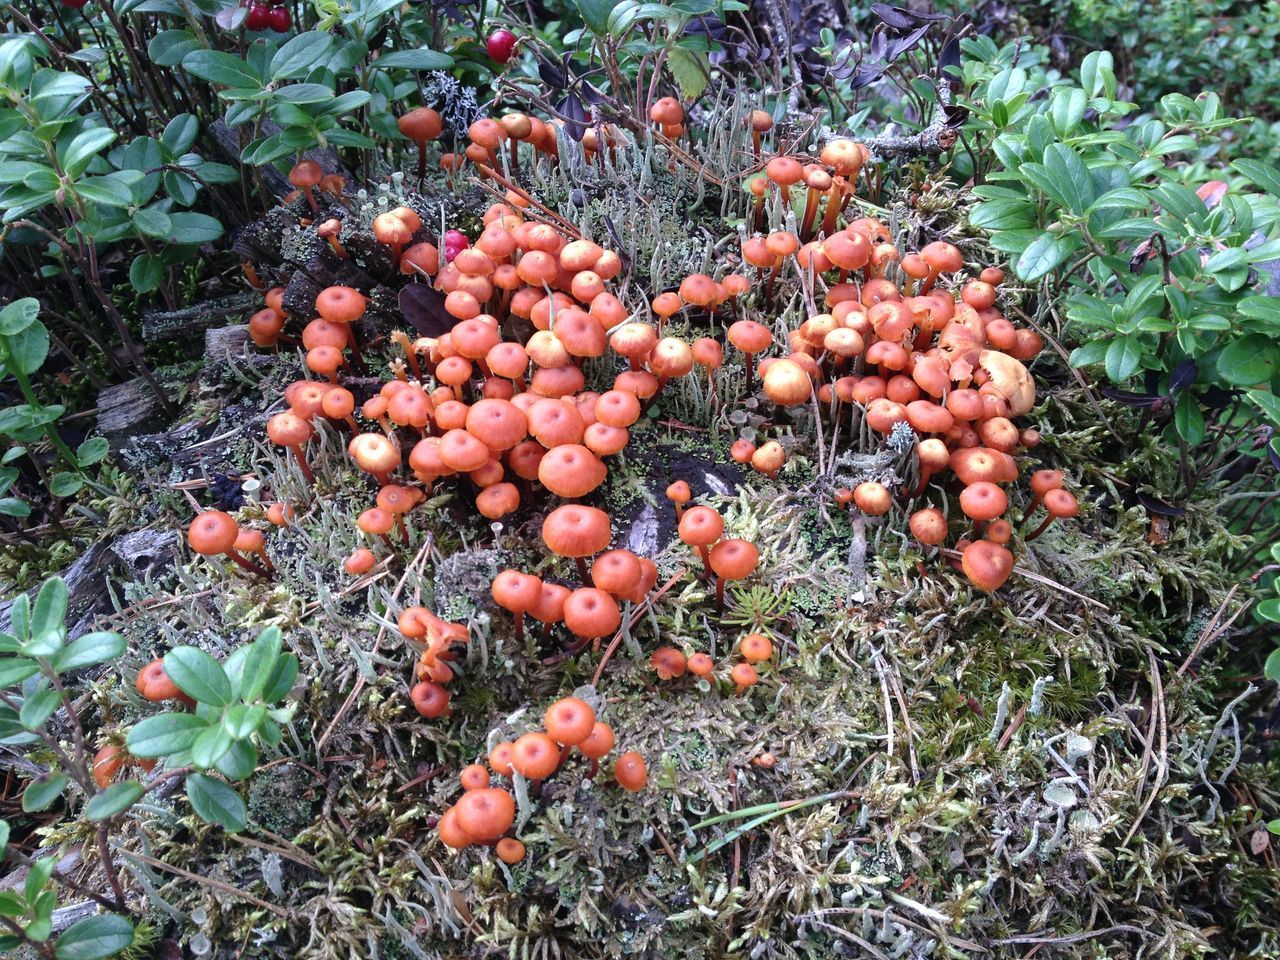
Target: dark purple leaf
<point>879,43</point>
<point>1141,254</point>
<point>423,306</point>
<point>950,55</point>
<point>907,43</point>
<point>1274,456</point>
<point>892,16</point>
<point>570,107</point>
<point>1133,399</point>
<point>1215,398</point>
<point>1161,507</point>
<point>553,76</point>
<point>1183,375</point>
<point>865,76</point>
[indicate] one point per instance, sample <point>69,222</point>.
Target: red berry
<point>259,17</point>
<point>74,4</point>
<point>500,44</point>
<point>280,19</point>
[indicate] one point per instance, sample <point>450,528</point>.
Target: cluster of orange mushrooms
<point>484,814</point>
<point>501,407</point>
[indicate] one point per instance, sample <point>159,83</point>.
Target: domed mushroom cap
<point>616,572</point>
<point>288,430</point>
<point>341,304</point>
<point>987,565</point>
<point>630,772</point>
<point>569,721</point>
<point>212,533</point>
<point>576,531</point>
<point>599,742</point>
<point>701,526</point>
<point>516,591</point>
<point>734,559</point>
<point>983,501</point>
<point>1061,503</point>
<point>928,526</point>
<point>374,453</point>
<point>679,492</point>
<point>421,124</point>
<point>591,613</point>
<point>499,424</point>
<point>571,471</point>
<point>535,756</point>
<point>750,336</point>
<point>1011,378</point>
<point>485,814</point>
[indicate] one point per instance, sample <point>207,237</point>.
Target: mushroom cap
<point>671,357</point>
<point>516,591</point>
<point>474,776</point>
<point>599,742</point>
<point>154,684</point>
<point>928,526</point>
<point>943,257</point>
<point>569,721</point>
<point>679,492</point>
<point>341,304</point>
<point>509,850</point>
<point>604,440</point>
<point>376,521</point>
<point>430,699</point>
<point>668,663</point>
<point>983,501</point>
<point>701,526</point>
<point>591,613</point>
<point>749,336</point>
<point>784,170</point>
<point>616,572</point>
<point>1011,379</point>
<point>872,498</point>
<point>360,562</point>
<point>212,532</point>
<point>463,451</point>
<point>550,605</point>
<point>973,464</point>
<point>744,675</point>
<point>421,124</point>
<point>574,530</point>
<point>500,758</point>
<point>499,424</point>
<point>756,648</point>
<point>986,564</point>
<point>786,383</point>
<point>288,430</point>
<point>305,173</point>
<point>451,834</point>
<point>496,501</point>
<point>535,756</point>
<point>374,453</point>
<point>1042,481</point>
<point>617,408</point>
<point>734,559</point>
<point>571,471</point>
<point>485,814</point>
<point>555,422</point>
<point>701,665</point>
<point>1061,503</point>
<point>249,541</point>
<point>630,772</point>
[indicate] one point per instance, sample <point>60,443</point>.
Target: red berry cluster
<point>271,15</point>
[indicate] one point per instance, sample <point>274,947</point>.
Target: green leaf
<point>690,70</point>
<point>168,47</point>
<point>1124,354</point>
<point>1074,186</point>
<point>1044,254</point>
<point>239,762</point>
<point>421,59</point>
<point>1270,610</point>
<point>210,746</point>
<point>198,675</point>
<point>13,507</point>
<point>260,664</point>
<point>114,799</point>
<point>39,707</point>
<point>1260,307</point>
<point>17,316</point>
<point>1249,360</point>
<point>165,734</point>
<point>15,670</point>
<point>4,836</point>
<point>51,609</point>
<point>216,802</point>
<point>281,682</point>
<point>65,484</point>
<point>242,720</point>
<point>221,68</point>
<point>108,191</point>
<point>86,651</point>
<point>299,54</point>
<point>92,451</point>
<point>1268,403</point>
<point>95,938</point>
<point>42,791</point>
<point>194,228</point>
<point>1188,419</point>
<point>1260,174</point>
<point>1094,70</point>
<point>595,14</point>
<point>28,348</point>
<point>152,222</point>
<point>83,147</point>
<point>146,273</point>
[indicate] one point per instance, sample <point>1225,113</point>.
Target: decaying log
<point>126,410</point>
<point>167,324</point>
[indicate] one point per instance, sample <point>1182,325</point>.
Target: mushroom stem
<point>311,199</point>
<point>351,422</point>
<point>925,476</point>
<point>302,463</point>
<point>751,369</point>
<point>679,512</point>
<point>810,212</point>
<point>595,768</point>
<point>383,478</point>
<point>1040,529</point>
<point>706,561</point>
<point>248,564</point>
<point>582,569</point>
<point>832,211</point>
<point>719,594</point>
<point>520,627</point>
<point>404,530</point>
<point>422,160</point>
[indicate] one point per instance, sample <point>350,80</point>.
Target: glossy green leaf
<point>95,938</point>
<point>1249,360</point>
<point>216,802</point>
<point>43,791</point>
<point>113,800</point>
<point>198,675</point>
<point>165,734</point>
<point>89,650</point>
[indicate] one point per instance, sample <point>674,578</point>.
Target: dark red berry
<point>259,17</point>
<point>74,4</point>
<point>280,19</point>
<point>500,44</point>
